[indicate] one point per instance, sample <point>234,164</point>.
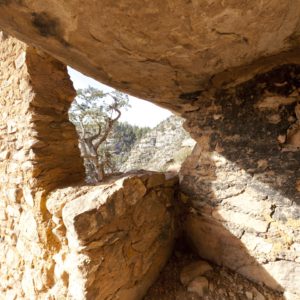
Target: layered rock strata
<point>243,179</point>
<point>163,148</point>
<point>200,59</point>
<point>38,153</point>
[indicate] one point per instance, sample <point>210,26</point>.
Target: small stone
<point>298,185</point>
<point>194,270</point>
<point>231,294</point>
<point>19,62</point>
<point>281,138</point>
<point>199,286</point>
<point>258,295</point>
<point>249,295</point>
<point>4,155</point>
<point>274,119</point>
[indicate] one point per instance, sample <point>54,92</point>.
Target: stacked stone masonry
<point>241,183</point>
<point>59,242</point>
<point>38,152</point>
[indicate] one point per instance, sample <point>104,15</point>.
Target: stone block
<point>120,235</point>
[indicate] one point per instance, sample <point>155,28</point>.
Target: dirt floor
<point>223,284</point>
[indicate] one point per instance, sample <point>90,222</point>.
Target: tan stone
<point>28,80</point>
<point>227,215</point>
<point>199,286</point>
<point>193,270</point>
<point>114,253</point>
<point>173,65</point>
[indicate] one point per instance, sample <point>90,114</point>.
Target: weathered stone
<point>243,181</point>
<point>114,253</point>
<point>246,126</point>
<point>29,80</point>
<point>199,285</point>
<point>194,270</point>
<point>197,46</point>
<point>163,148</point>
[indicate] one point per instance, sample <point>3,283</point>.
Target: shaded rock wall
<point>243,179</point>
<point>114,237</point>
<point>38,152</point>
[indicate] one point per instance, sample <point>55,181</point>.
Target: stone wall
<point>61,239</point>
<point>114,237</point>
<point>243,179</point>
<point>38,152</point>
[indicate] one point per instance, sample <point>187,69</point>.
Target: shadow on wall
<point>243,179</point>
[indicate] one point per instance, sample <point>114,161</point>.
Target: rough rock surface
<point>164,148</point>
<point>199,58</point>
<point>114,237</point>
<point>38,152</point>
<point>216,283</point>
<point>242,179</point>
<point>166,51</point>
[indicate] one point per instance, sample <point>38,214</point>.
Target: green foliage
<point>93,107</point>
<point>104,142</point>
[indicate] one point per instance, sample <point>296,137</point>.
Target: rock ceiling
<point>168,52</point>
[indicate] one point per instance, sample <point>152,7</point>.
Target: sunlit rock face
<point>165,51</point>
<point>114,237</point>
<point>39,152</point>
<point>243,179</point>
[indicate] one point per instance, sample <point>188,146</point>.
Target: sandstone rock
<point>116,245</point>
<point>199,285</point>
<point>258,295</point>
<point>218,72</point>
<point>184,54</point>
<point>29,85</point>
<point>194,270</point>
<point>249,295</point>
<point>291,296</point>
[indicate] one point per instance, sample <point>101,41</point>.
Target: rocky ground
<point>186,277</point>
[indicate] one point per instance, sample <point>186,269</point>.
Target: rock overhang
<point>168,52</point>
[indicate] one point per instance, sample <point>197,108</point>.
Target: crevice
<point>238,36</point>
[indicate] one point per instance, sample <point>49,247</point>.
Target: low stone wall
<point>243,179</point>
<point>114,237</point>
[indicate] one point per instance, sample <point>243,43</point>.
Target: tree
<point>95,113</point>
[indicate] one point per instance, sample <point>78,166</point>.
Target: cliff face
<point>163,148</point>
<point>243,179</point>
